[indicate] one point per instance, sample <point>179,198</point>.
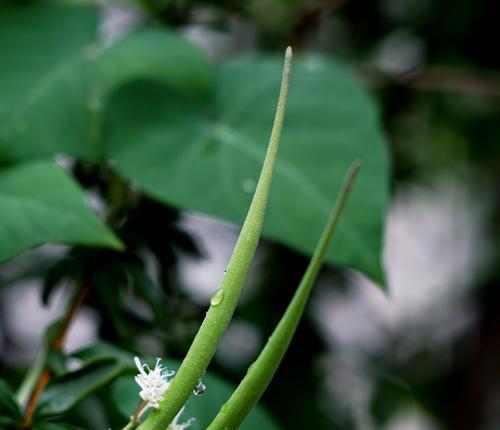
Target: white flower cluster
<point>180,426</point>
<point>153,383</point>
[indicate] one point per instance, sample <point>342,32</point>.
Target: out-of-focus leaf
<point>145,287</point>
<point>41,46</point>
<point>66,391</point>
<point>52,330</point>
<point>103,350</point>
<point>111,281</point>
<point>167,146</point>
<point>131,299</point>
<point>391,395</point>
<point>40,203</point>
<point>68,267</point>
<point>156,54</point>
<point>56,361</point>
<point>55,77</point>
<point>93,412</point>
<point>203,408</point>
<point>55,426</point>
<point>10,412</point>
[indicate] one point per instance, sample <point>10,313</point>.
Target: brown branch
<point>56,344</point>
<point>464,81</point>
<point>438,79</point>
<point>80,297</point>
<point>43,380</point>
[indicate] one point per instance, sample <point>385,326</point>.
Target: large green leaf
<point>40,46</point>
<point>39,203</point>
<point>173,151</point>
<point>55,77</point>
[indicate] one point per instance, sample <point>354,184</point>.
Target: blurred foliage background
<point>422,356</point>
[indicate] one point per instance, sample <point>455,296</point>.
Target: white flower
<point>174,425</point>
<point>153,383</point>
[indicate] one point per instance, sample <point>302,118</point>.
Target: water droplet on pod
<point>217,297</point>
<point>200,388</point>
<point>223,408</point>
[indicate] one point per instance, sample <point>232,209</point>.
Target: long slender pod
<point>260,373</point>
<point>226,298</point>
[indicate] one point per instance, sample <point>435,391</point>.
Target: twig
<point>437,78</point>
<point>135,419</point>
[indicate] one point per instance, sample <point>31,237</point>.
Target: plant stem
<point>133,424</point>
<point>24,392</point>
<point>224,301</point>
<point>260,373</point>
<point>56,344</point>
<point>135,418</point>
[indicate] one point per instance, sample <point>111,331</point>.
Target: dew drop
<point>251,367</point>
<point>217,297</point>
<point>200,388</point>
<point>248,185</point>
<point>223,408</point>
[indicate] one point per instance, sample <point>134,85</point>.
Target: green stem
<point>30,380</point>
<point>263,369</point>
<point>225,300</point>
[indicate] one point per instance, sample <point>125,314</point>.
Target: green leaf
<point>51,103</point>
<point>54,426</point>
<point>66,391</point>
<point>145,287</point>
<point>93,412</point>
<point>125,393</point>
<point>10,412</point>
<point>391,395</point>
<point>111,277</point>
<point>69,267</point>
<point>40,203</point>
<point>103,350</point>
<point>172,150</point>
<point>156,54</point>
<point>41,46</point>
<point>56,362</point>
